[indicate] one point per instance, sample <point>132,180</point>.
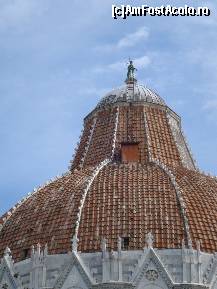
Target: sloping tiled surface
<point>100,146</point>
<point>48,216</point>
<point>200,197</point>
<point>162,144</point>
<point>131,128</point>
<point>127,200</point>
<point>96,140</point>
<point>88,126</point>
<point>131,200</point>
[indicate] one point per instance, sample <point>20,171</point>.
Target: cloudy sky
<point>58,58</point>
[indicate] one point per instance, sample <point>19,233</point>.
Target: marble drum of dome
<point>132,212</point>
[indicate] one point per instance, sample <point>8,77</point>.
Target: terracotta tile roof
<point>157,193</point>
<point>162,143</point>
<point>131,200</point>
<point>96,141</point>
<point>134,124</point>
<point>200,196</point>
<point>48,216</point>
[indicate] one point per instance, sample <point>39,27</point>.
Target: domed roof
<point>122,201</point>
<point>138,93</point>
<point>132,173</point>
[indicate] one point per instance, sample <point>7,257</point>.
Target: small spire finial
<point>103,245</point>
<point>131,71</point>
<point>198,245</point>
<point>7,251</point>
<point>149,240</point>
<point>119,244</point>
<point>74,243</point>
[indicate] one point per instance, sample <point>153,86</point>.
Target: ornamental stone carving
<point>151,275</point>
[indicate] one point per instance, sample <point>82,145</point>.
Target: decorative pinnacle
<point>149,240</point>
<point>74,243</point>
<point>131,72</point>
<point>7,251</point>
<point>103,245</point>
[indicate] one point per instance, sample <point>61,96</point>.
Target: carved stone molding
<point>114,285</point>
<point>190,286</point>
<point>151,275</point>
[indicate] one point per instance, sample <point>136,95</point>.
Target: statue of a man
<point>130,72</point>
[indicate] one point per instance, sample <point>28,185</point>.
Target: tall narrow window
<point>25,253</point>
<point>129,152</point>
<point>125,241</point>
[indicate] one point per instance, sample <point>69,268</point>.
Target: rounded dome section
<point>128,201</point>
<point>136,93</point>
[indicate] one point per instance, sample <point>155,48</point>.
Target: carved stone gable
<point>151,272</point>
<point>74,275</point>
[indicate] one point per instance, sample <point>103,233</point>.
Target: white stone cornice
<point>84,270</point>
<point>114,285</point>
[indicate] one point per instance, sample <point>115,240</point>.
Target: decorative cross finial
<point>130,71</point>
<point>149,240</point>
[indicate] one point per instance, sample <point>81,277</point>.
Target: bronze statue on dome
<point>130,72</point>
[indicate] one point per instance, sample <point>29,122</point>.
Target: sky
<point>58,58</point>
